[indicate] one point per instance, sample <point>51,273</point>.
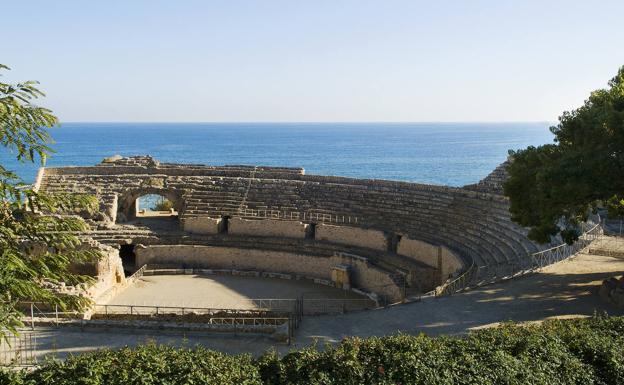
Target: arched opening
<point>157,209</point>
<point>154,205</point>
<point>128,258</point>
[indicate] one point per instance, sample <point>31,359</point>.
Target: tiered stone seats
<point>493,182</point>
<point>472,221</point>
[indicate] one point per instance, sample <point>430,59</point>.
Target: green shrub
<point>147,365</point>
<point>582,351</point>
<point>163,205</point>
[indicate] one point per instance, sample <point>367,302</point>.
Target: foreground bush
<point>149,364</point>
<point>589,351</point>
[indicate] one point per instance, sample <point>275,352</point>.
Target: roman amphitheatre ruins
<point>264,249</point>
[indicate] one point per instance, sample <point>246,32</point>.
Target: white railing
<point>42,312</point>
<point>311,306</point>
<point>112,309</point>
<point>137,275</point>
<point>564,251</point>
<point>608,246</point>
<point>475,276</point>
<point>296,215</point>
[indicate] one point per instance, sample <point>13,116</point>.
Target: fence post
<point>56,313</point>
<point>32,316</point>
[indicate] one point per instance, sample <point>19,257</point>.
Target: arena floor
<point>219,291</point>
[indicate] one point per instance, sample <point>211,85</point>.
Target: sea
<point>452,154</point>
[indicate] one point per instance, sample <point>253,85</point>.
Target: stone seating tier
<point>473,223</point>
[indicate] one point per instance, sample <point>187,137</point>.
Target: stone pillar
<point>440,270</point>
<point>340,275</point>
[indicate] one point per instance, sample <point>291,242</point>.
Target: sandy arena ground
<point>566,289</point>
<point>219,291</point>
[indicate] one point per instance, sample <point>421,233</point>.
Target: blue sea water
<point>438,153</point>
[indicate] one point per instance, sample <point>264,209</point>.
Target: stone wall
<point>354,236</point>
<point>110,273</point>
<point>202,225</point>
<point>365,276</point>
<point>39,178</point>
<point>107,271</point>
<point>267,228</point>
<point>451,263</point>
<point>108,207</point>
<point>438,257</point>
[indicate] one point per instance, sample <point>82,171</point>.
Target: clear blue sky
<point>313,60</point>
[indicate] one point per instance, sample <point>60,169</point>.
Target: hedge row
<point>586,351</point>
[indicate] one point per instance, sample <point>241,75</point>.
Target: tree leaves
<point>38,241</point>
<point>552,188</point>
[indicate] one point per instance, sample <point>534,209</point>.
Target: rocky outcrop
<point>612,290</point>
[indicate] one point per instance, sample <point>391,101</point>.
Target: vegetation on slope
<point>552,188</point>
<point>582,351</point>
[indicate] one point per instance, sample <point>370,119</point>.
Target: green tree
<point>163,204</point>
<point>552,188</point>
<point>37,250</point>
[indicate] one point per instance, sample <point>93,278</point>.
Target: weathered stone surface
<point>473,225</point>
<point>364,275</point>
<point>612,290</point>
<point>266,228</point>
<point>419,250</point>
<point>112,159</point>
<point>355,236</point>
<point>202,225</point>
<point>438,257</point>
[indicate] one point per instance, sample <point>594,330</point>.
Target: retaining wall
<point>267,228</point>
<point>107,271</point>
<point>354,236</point>
<point>202,225</point>
<point>363,275</point>
<point>438,257</point>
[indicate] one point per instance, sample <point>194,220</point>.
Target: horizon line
<point>308,122</point>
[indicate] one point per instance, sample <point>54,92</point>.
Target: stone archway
<point>126,202</point>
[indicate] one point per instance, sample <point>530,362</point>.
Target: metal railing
<point>18,350</point>
<point>43,312</point>
<point>305,306</point>
<point>137,274</point>
<point>564,251</point>
<point>238,319</point>
<point>107,309</point>
<point>608,246</point>
<point>459,283</point>
<point>317,306</point>
<point>296,215</point>
<point>476,276</point>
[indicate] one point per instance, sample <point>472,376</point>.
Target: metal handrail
<point>137,274</point>
<point>18,350</point>
<point>158,309</point>
<point>296,215</point>
<point>538,261</point>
